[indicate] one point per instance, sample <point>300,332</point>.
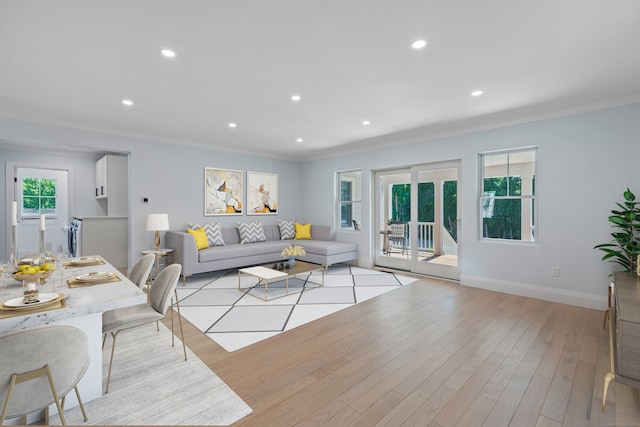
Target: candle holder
<point>13,248</point>
<point>31,294</point>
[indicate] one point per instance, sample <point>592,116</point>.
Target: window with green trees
<point>507,196</point>
<point>38,197</point>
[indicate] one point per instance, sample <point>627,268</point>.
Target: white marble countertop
<point>79,301</point>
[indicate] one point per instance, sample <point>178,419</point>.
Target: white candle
<point>14,213</point>
<point>42,224</point>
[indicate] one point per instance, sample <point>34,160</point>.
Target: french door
<point>417,219</point>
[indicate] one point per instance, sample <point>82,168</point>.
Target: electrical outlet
<point>144,200</point>
<point>555,271</point>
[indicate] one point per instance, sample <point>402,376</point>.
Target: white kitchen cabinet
<point>112,185</point>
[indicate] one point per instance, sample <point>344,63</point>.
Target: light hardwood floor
<point>432,353</point>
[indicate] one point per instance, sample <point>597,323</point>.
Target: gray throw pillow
<point>287,229</point>
<point>213,232</point>
<point>251,232</point>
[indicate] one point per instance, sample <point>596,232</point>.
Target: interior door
<point>424,199</point>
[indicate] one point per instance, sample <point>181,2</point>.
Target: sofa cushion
<point>213,232</point>
<point>251,232</point>
<point>218,253</point>
<point>200,237</point>
<point>325,248</point>
<point>303,231</point>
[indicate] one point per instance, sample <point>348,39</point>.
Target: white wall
<point>170,175</point>
<point>585,162</point>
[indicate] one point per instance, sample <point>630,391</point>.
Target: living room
<point>587,155</point>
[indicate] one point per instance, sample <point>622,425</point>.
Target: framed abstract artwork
<point>262,193</point>
<point>223,192</point>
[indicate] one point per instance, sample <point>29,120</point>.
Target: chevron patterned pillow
<point>251,232</point>
<point>287,229</point>
<point>213,232</point>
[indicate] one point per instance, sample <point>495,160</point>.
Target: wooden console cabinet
<point>624,332</point>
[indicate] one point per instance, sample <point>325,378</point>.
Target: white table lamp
<point>157,223</point>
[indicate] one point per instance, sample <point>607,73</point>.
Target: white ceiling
<point>71,62</point>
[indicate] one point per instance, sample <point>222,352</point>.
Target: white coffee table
<point>264,274</point>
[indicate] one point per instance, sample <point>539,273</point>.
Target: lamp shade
<point>157,222</point>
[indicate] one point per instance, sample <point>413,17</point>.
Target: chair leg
<point>55,395</point>
<point>27,376</point>
<point>184,347</point>
<point>113,347</point>
<point>84,414</point>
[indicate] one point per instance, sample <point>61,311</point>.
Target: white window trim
<point>340,202</point>
<point>534,197</point>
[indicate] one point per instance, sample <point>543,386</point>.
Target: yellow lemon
<point>23,267</point>
<point>29,270</point>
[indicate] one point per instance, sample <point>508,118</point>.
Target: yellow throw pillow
<point>200,237</point>
<point>303,232</point>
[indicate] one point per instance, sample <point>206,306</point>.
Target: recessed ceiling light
<point>299,140</point>
<point>168,53</point>
<point>127,102</point>
<point>232,125</point>
<point>476,93</point>
<point>419,44</point>
<point>366,122</point>
<point>296,97</point>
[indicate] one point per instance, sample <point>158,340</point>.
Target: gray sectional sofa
<point>322,249</point>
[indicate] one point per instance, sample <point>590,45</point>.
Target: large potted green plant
<point>625,246</point>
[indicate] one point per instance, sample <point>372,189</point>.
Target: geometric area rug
<point>152,384</point>
<point>235,319</point>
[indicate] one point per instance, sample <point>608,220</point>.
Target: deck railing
<point>426,239</point>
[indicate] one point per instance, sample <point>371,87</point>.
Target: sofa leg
<point>184,279</point>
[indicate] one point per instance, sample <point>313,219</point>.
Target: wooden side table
<point>624,332</point>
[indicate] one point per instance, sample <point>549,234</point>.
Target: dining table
<point>80,292</point>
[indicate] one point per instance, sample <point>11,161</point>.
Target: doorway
<point>40,189</point>
<point>418,218</point>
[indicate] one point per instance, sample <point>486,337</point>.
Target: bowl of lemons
<point>33,273</point>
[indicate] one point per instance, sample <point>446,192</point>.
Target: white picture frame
<point>262,193</point>
<point>223,192</point>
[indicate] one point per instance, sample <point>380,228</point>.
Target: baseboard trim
<point>578,299</point>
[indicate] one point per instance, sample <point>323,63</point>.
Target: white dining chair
<point>39,366</point>
<point>121,319</point>
<point>140,272</point>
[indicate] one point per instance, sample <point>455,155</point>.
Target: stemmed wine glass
<point>5,268</point>
<point>59,263</point>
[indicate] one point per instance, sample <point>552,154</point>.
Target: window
<point>350,199</point>
<point>38,197</point>
<point>507,197</point>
